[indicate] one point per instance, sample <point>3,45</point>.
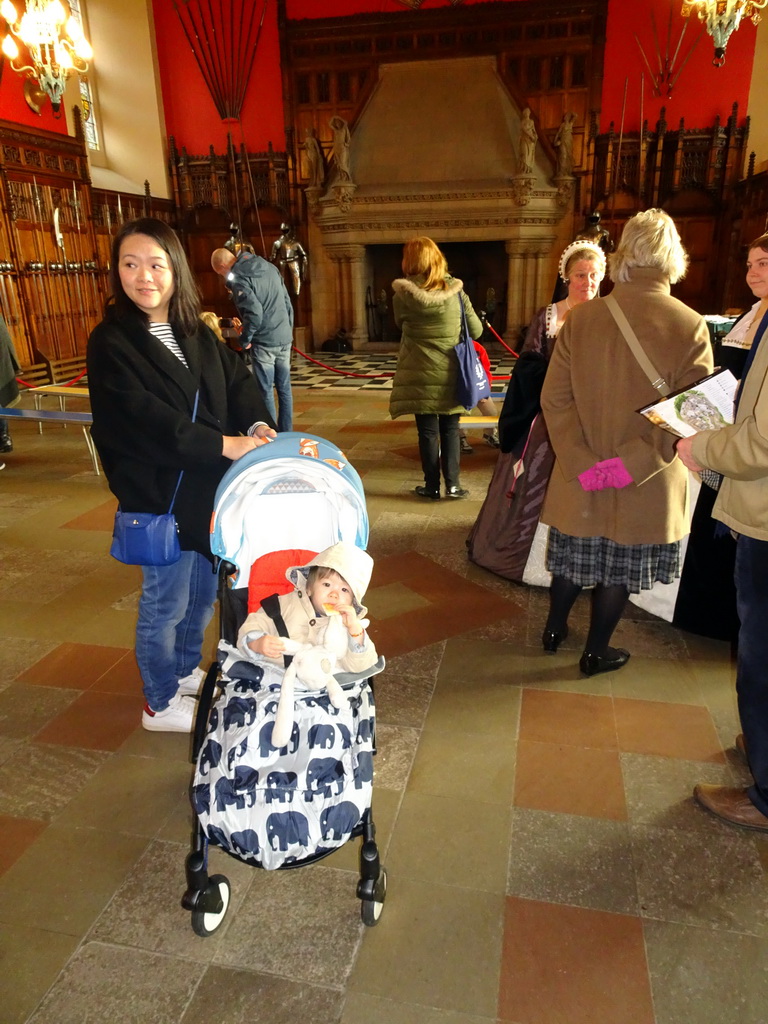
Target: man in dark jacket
<point>9,389</point>
<point>265,309</point>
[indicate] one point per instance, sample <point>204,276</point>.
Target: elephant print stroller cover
<point>269,806</point>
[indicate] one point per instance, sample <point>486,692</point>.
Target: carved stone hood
<point>436,152</point>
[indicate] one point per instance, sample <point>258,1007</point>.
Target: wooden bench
<point>35,375</point>
<point>39,416</point>
<point>478,422</point>
<point>71,370</point>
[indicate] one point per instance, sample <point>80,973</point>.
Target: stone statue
<point>594,232</point>
<point>290,257</point>
<point>528,140</point>
<point>563,143</point>
<point>340,148</point>
<point>315,161</point>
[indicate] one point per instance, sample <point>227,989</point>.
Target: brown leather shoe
<point>731,805</point>
<point>741,746</point>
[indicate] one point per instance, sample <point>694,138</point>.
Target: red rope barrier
<point>501,340</point>
<point>342,373</point>
<point>60,384</point>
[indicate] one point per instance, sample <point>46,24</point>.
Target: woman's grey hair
<point>649,239</point>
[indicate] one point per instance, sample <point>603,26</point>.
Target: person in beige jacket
<point>617,501</point>
<point>740,453</point>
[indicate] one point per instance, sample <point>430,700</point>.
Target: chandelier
<point>48,43</point>
<point>722,17</point>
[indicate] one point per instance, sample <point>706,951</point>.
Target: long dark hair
<point>184,307</point>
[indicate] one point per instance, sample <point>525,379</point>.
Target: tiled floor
<point>546,863</point>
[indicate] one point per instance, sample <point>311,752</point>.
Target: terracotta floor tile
<point>95,721</point>
<point>75,666</point>
<point>100,518</point>
<point>17,834</point>
<point>572,780</point>
<point>571,965</point>
<point>122,677</point>
<point>576,719</point>
<point>669,730</point>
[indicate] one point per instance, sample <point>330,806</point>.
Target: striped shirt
<point>164,333</point>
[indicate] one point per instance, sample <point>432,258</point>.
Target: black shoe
<point>425,492</point>
<point>455,492</point>
<point>6,444</point>
<point>550,640</point>
<point>465,447</point>
<point>614,658</point>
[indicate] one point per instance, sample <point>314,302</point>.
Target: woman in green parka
<point>426,308</point>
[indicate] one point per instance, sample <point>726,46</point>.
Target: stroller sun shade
<point>297,489</point>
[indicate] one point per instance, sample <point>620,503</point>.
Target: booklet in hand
<point>705,405</point>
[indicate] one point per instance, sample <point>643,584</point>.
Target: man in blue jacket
<point>265,309</point>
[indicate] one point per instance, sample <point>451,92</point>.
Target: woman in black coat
<point>148,361</point>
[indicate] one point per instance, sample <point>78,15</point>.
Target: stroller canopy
<point>297,491</point>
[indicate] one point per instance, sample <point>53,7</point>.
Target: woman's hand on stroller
<point>269,646</point>
<point>235,447</point>
<point>264,433</point>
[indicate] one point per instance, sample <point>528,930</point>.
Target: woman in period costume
<point>503,535</point>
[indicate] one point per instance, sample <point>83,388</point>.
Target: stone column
<point>350,291</point>
<point>527,289</point>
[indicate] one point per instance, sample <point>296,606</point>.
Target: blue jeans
<point>752,660</point>
<point>175,606</point>
<point>272,369</point>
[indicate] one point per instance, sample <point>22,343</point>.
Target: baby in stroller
<point>284,775</point>
<point>334,582</point>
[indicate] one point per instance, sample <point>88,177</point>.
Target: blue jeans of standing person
<point>175,606</point>
<point>272,369</point>
<point>439,445</point>
<point>752,660</point>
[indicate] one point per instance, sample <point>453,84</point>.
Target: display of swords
<point>57,280</point>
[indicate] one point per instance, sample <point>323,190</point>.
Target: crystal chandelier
<point>722,17</point>
<point>46,43</point>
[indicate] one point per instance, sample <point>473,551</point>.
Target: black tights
<point>608,604</point>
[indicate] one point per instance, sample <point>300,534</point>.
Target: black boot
<point>6,444</point>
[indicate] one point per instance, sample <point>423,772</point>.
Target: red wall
<point>701,92</point>
<point>13,106</point>
<point>190,113</point>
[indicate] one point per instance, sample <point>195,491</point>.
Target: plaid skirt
<point>586,561</point>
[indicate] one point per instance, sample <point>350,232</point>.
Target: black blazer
<point>142,399</point>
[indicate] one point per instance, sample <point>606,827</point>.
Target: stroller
<point>281,808</point>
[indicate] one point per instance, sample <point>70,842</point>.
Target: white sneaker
<point>2,465</point>
<point>179,716</point>
<point>190,685</point>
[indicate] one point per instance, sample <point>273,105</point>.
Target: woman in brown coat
<point>617,501</point>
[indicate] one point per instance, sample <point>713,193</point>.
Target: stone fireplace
<point>435,152</point>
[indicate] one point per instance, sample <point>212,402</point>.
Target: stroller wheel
<point>370,910</point>
<point>213,903</point>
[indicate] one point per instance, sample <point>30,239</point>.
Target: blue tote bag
<point>472,383</point>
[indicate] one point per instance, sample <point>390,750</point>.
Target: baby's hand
<point>269,646</point>
<point>350,619</point>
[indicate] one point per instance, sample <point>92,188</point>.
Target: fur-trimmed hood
<point>436,296</point>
